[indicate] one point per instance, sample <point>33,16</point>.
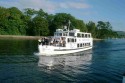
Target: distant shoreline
<point>30,37</point>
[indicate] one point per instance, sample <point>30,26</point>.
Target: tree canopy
<point>39,23</point>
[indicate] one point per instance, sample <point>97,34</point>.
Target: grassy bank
<point>19,37</point>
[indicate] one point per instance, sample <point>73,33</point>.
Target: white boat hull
<point>50,51</point>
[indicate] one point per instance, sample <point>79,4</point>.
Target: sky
<point>112,11</point>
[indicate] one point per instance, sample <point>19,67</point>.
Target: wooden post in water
<point>123,81</point>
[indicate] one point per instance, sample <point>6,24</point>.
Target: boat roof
<point>72,31</point>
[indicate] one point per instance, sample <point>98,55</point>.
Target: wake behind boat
<point>65,41</point>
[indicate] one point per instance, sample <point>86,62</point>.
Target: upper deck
<point>72,33</point>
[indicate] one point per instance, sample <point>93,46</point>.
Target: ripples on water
<point>105,63</point>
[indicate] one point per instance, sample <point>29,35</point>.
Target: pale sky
<point>86,10</point>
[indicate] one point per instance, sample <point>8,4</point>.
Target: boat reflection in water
<point>75,59</point>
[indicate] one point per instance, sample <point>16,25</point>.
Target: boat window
<point>60,34</point>
<point>85,35</point>
<point>57,34</point>
<point>89,35</point>
<point>89,44</point>
<point>75,40</point>
<point>81,45</point>
<point>84,44</point>
<point>72,40</point>
<point>77,45</point>
<point>64,34</point>
<point>71,34</point>
<point>68,40</point>
<point>78,35</point>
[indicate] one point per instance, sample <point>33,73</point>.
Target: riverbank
<point>96,39</point>
<point>19,37</point>
<point>30,37</point>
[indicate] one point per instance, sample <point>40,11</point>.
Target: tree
<point>91,27</point>
<point>81,25</point>
<point>11,22</point>
<point>60,20</point>
<point>29,12</point>
<point>104,29</point>
<point>40,26</point>
<point>41,13</point>
<point>3,18</point>
<point>15,22</point>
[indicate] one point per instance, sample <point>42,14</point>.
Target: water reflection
<point>75,59</point>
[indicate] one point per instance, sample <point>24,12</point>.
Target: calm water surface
<point>105,63</point>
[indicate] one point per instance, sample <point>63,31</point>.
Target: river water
<point>105,63</point>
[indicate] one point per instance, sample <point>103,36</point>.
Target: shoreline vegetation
<point>31,23</point>
<point>30,37</point>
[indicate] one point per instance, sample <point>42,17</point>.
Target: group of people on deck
<point>52,41</point>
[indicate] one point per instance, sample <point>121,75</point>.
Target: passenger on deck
<point>51,42</point>
<point>39,41</point>
<point>43,41</point>
<point>46,41</point>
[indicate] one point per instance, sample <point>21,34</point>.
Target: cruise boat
<point>65,41</point>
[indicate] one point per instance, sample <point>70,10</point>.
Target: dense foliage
<point>39,23</point>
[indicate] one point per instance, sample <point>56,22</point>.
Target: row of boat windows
<point>83,44</point>
<point>71,40</point>
<point>83,35</point>
<point>73,34</point>
<point>64,34</point>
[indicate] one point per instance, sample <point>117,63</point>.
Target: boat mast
<point>69,24</point>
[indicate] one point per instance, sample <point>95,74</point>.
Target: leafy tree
<point>40,26</point>
<point>16,22</point>
<point>104,29</point>
<point>29,12</point>
<point>60,20</point>
<point>91,26</point>
<point>11,22</point>
<point>81,25</point>
<point>3,18</point>
<point>41,13</point>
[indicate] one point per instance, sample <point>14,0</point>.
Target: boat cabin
<point>70,39</point>
<point>79,39</point>
<point>72,33</point>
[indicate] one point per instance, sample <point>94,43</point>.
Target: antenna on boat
<point>69,24</point>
